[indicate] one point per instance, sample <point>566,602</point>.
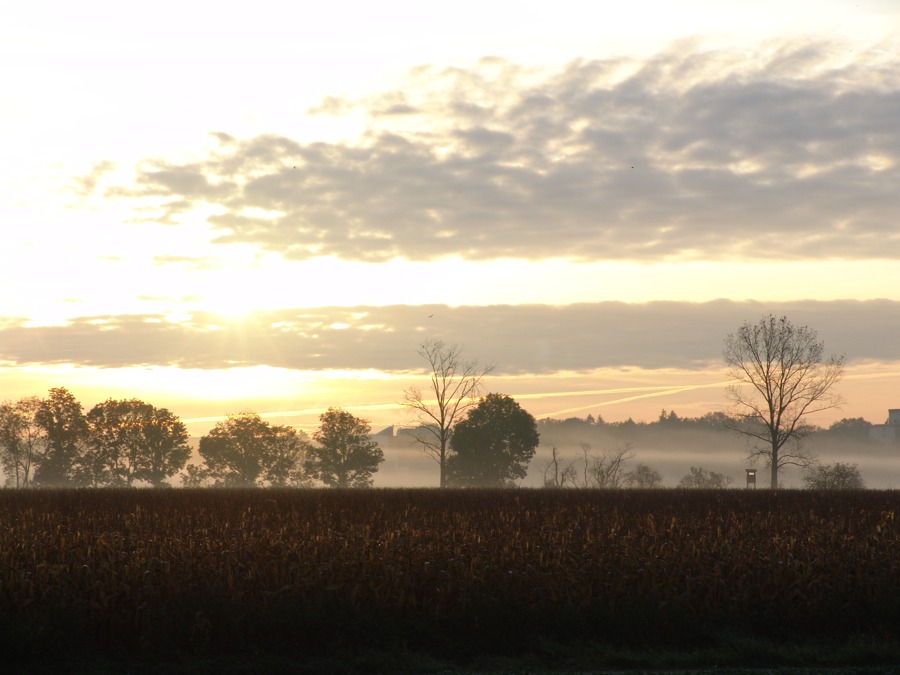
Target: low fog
<point>670,447</point>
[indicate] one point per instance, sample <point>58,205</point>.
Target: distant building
<point>889,432</point>
<point>416,432</point>
<point>387,437</point>
<point>395,436</point>
<point>387,432</point>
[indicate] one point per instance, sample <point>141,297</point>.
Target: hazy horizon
<point>217,210</point>
<point>670,449</point>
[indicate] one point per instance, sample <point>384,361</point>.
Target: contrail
<point>639,393</point>
<point>598,392</point>
<point>660,391</point>
<point>871,376</point>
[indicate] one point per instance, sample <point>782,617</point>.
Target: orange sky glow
<point>587,199</point>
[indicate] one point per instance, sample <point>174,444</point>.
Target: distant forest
<point>846,430</point>
<point>671,444</point>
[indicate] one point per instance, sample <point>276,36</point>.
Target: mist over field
<point>672,453</point>
<point>668,449</point>
<point>590,199</point>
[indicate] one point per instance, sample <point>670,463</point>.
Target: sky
<point>220,207</point>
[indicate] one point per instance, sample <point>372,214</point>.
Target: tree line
<point>780,377</point>
<point>855,428</point>
<point>49,443</point>
<point>52,442</point>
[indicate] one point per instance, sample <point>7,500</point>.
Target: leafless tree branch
<point>454,387</point>
<point>780,378</point>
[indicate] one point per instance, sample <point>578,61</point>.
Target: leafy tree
<point>628,425</point>
<point>855,428</point>
<point>493,444</point>
<point>286,463</point>
<point>167,449</point>
<point>343,455</point>
<point>132,440</point>
<point>643,477</point>
<point>717,420</point>
<point>781,377</point>
<point>837,476</point>
<point>244,450</point>
<point>455,385</point>
<point>22,441</point>
<point>704,479</point>
<point>61,417</point>
<point>668,417</point>
<point>194,476</point>
<point>114,442</point>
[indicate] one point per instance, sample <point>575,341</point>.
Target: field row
<point>125,559</point>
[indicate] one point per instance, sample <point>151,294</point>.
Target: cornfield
<point>181,570</point>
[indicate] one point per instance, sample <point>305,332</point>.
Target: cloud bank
<point>789,152</point>
<point>539,339</point>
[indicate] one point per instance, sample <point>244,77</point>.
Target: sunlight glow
<point>116,201</point>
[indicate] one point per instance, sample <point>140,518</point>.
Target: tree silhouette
<point>642,477</point>
<point>132,440</point>
<point>343,455</point>
<point>780,378</point>
<point>22,441</point>
<point>455,385</point>
<point>62,419</point>
<point>244,450</point>
<point>837,476</point>
<point>698,477</point>
<point>493,445</point>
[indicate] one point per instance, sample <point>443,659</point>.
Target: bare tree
<point>556,473</point>
<point>602,471</point>
<point>780,378</point>
<point>704,479</point>
<point>454,388</point>
<point>586,457</point>
<point>606,469</point>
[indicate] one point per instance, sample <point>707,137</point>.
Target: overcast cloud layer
<point>517,338</point>
<point>789,152</point>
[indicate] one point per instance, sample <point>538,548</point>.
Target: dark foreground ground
<point>257,581</point>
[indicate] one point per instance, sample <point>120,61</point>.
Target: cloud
<point>197,263</point>
<point>332,105</point>
<point>789,152</point>
<point>518,339</point>
<point>88,183</point>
